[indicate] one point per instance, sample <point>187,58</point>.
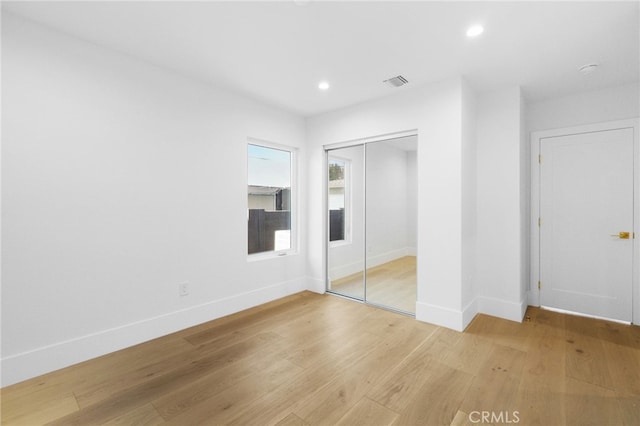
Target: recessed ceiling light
<point>475,31</point>
<point>323,85</point>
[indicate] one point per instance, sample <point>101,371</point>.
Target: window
<point>338,199</point>
<point>270,199</point>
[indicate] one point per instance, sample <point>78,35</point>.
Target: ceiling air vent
<point>396,81</point>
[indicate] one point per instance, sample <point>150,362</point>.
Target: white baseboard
<point>438,315</point>
<point>446,317</point>
<point>459,320</point>
<point>513,311</point>
<point>316,285</point>
<point>469,312</point>
<point>523,308</point>
<point>23,366</point>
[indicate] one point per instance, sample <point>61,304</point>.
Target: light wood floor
<point>321,360</point>
<point>391,284</point>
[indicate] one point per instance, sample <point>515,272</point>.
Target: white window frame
<point>293,151</point>
<point>347,199</point>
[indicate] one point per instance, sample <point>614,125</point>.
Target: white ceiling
<point>278,51</point>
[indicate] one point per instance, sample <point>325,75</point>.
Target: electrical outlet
<point>183,289</point>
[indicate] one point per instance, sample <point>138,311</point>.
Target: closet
<point>372,222</point>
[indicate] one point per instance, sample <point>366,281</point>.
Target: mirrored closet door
<point>372,223</point>
<point>345,200</point>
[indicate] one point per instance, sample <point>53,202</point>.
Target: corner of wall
<point>456,320</point>
<point>513,311</point>
<point>502,194</point>
<point>315,285</point>
<point>469,196</point>
<point>525,202</point>
<point>469,312</point>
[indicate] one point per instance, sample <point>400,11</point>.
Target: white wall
<point>525,203</point>
<point>615,103</point>
<point>500,215</point>
<point>436,112</point>
<point>119,181</point>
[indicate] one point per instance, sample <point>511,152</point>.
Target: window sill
<point>270,255</point>
<point>340,243</point>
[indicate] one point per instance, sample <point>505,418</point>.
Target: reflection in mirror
<point>391,229</point>
<point>373,260</point>
<point>338,169</point>
<point>345,201</point>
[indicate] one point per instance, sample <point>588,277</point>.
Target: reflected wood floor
<point>312,359</point>
<point>391,284</point>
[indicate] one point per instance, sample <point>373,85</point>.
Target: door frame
<point>536,137</point>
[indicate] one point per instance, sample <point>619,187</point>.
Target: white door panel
<point>586,196</point>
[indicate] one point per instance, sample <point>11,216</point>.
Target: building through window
<point>269,199</point>
<point>338,199</point>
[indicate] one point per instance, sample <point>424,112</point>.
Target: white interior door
<point>586,206</point>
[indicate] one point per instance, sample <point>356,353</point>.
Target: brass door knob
<point>622,235</point>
